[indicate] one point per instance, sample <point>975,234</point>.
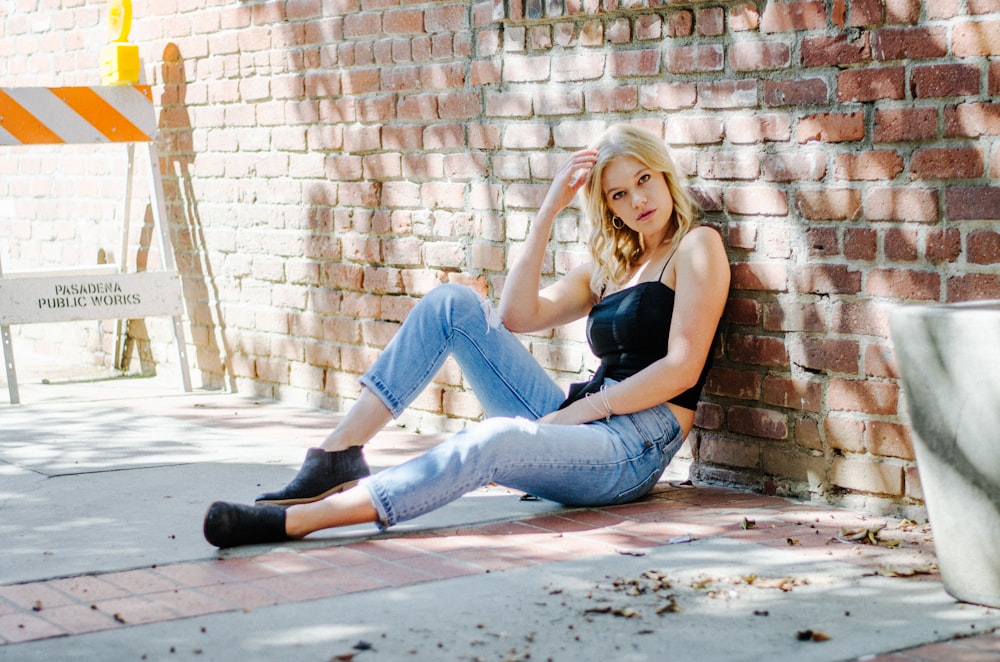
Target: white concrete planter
<point>949,359</point>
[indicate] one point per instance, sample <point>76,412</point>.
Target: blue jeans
<point>599,463</point>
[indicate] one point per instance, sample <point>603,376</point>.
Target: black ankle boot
<point>322,474</point>
<point>233,524</point>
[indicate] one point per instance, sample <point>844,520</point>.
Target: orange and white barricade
<point>91,115</point>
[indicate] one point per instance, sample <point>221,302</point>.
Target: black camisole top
<point>628,330</point>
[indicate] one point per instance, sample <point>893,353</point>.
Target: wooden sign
<point>70,297</point>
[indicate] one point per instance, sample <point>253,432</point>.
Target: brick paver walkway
<point>672,514</point>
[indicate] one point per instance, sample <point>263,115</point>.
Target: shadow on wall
<point>201,295</point>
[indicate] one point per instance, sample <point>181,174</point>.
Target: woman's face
<point>639,196</point>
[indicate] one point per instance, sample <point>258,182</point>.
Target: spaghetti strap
<point>673,249</point>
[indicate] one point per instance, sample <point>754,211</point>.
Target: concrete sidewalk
<point>104,485</point>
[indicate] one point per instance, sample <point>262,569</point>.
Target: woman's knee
<point>454,300</point>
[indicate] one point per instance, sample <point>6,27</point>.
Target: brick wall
<point>328,162</point>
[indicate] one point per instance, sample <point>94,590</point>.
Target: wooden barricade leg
<point>166,251</point>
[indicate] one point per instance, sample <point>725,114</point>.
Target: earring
<point>617,223</point>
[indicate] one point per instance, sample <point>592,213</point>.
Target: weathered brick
<point>758,128</point>
<point>972,287</point>
<point>770,276</point>
<point>837,51</point>
<point>972,120</point>
<point>871,84</point>
<point>828,204</point>
<point>803,92</point>
<point>826,355</point>
<point>792,393</point>
<point>731,383</point>
<point>730,452</point>
<point>945,80</point>
<point>901,204</point>
<point>797,15</point>
<point>904,124</point>
<point>975,39</point>
<point>869,397</point>
<point>876,165</point>
<point>694,59</point>
<point>910,43</point>
<point>828,279</point>
<point>948,163</point>
<point>901,244</point>
<point>860,244</point>
<point>757,422</point>
<point>968,203</point>
<point>865,476</point>
<point>845,434</point>
<point>757,350</point>
<point>759,56</point>
<point>793,316</point>
<point>756,200</point>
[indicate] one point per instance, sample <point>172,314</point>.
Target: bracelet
<point>606,413</point>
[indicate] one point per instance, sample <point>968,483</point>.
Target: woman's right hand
<point>569,178</point>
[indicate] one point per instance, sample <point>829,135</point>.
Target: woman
<point>653,291</point>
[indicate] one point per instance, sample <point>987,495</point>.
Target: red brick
<point>870,397</point>
<point>943,245</point>
<point>904,284</point>
<point>889,440</point>
<point>792,393</point>
<point>744,17</point>
<point>759,56</point>
<point>902,204</point>
<point>948,163</point>
<point>830,204</point>
<point>756,200</point>
<point>827,355</point>
<point>757,350</point>
<point>945,80</point>
<point>972,203</point>
<point>771,276</point>
<point>730,383</point>
<point>804,92</point>
<point>694,130</point>
<point>898,125</point>
<point>865,319</point>
<point>667,96</point>
<point>757,422</point>
<point>828,279</point>
<point>729,164</point>
<point>831,128</point>
<point>871,84</point>
<point>634,63</point>
<point>860,244</point>
<point>835,51</point>
<point>865,12</point>
<point>758,128</point>
<point>866,476</point>
<point>900,245</point>
<point>612,99</point>
<point>983,247</point>
<point>742,311</point>
<point>981,38</point>
<point>793,316</point>
<point>972,287</point>
<point>972,120</point>
<point>730,452</point>
<point>844,434</point>
<point>695,59</point>
<point>822,241</point>
<point>876,165</point>
<point>797,167</point>
<point>910,43</point>
<point>795,15</point>
<point>728,94</point>
<point>807,434</point>
<point>880,362</point>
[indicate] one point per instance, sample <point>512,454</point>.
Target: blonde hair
<point>615,250</point>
